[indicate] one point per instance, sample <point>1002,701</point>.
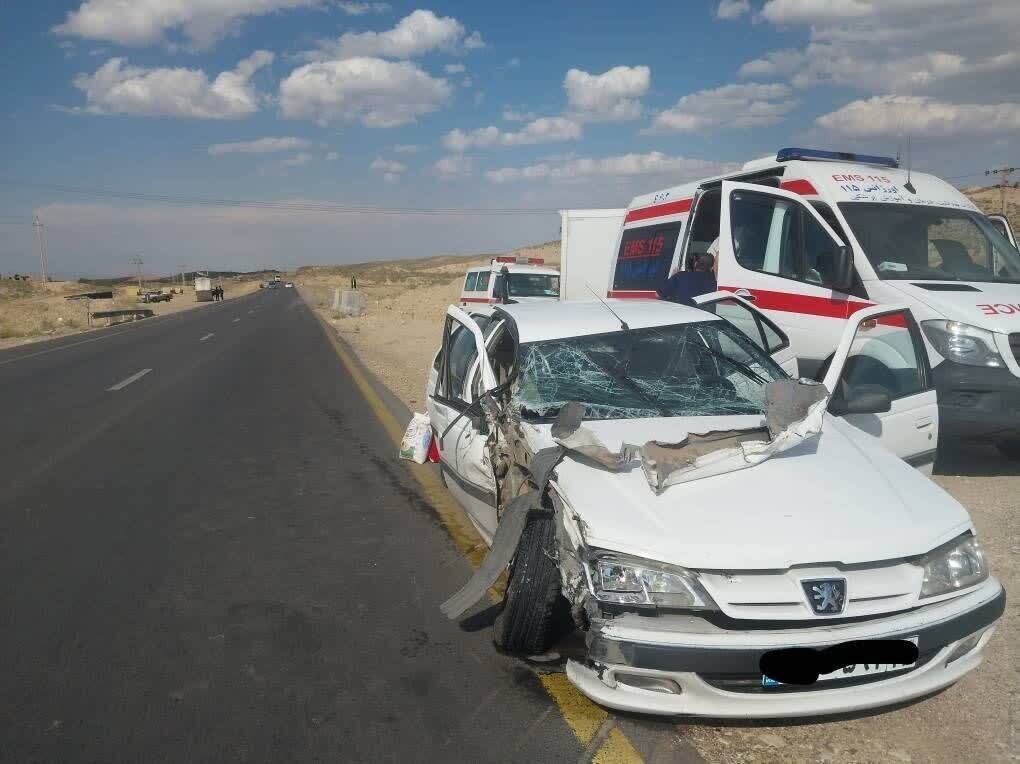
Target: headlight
<point>633,581</point>
<point>952,566</point>
<point>963,343</point>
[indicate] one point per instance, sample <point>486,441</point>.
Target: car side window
<point>471,281</point>
<point>764,233</point>
<point>884,355</point>
<point>461,350</point>
<point>758,329</point>
<point>483,281</point>
<point>777,236</point>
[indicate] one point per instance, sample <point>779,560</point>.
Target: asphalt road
<point>220,559</point>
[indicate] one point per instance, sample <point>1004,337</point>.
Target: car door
<point>882,352</point>
<point>755,324</point>
<point>776,251</point>
<point>458,426</point>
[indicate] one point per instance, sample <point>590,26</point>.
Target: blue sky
<point>455,105</point>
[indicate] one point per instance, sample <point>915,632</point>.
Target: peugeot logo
<point>827,596</point>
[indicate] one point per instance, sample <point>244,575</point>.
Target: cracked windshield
<point>699,369</point>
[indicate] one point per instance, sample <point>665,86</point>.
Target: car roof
<point>555,319</point>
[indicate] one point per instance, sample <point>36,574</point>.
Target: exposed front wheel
<point>534,612</point>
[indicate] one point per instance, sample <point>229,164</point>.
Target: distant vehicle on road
<point>154,295</point>
<point>289,285</point>
<point>273,285</point>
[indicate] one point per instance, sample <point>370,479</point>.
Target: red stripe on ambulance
<point>791,302</point>
<point>659,210</point>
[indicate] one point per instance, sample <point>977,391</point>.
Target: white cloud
<point>680,169</point>
<point>466,82</point>
<point>954,51</point>
<point>453,167</point>
<point>332,156</point>
<point>387,165</point>
<point>541,130</point>
<point>260,146</point>
<point>513,63</point>
<point>116,88</point>
<point>891,115</point>
<point>390,169</point>
<point>816,11</point>
<point>375,92</point>
<point>729,106</point>
<point>611,96</point>
<point>513,115</point>
<point>281,166</point>
<point>777,63</point>
<point>454,68</point>
<point>147,22</point>
<point>414,35</point>
<point>360,9</point>
<point>406,148</point>
<point>732,9</point>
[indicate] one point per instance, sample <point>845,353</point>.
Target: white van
<point>812,237</point>
<point>524,279</point>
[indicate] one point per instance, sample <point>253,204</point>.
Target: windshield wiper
<point>623,378</point>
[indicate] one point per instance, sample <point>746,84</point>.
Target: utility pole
<point>41,236</point>
<point>183,268</point>
<point>138,264</point>
<point>1003,184</point>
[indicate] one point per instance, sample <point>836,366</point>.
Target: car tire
<point>1010,448</point>
<point>534,611</point>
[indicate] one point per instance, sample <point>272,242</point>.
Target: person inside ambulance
<point>683,286</point>
<point>956,259</point>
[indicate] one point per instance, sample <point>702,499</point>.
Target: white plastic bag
<point>417,438</point>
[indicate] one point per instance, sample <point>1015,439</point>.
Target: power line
<point>1004,173</point>
<point>281,206</point>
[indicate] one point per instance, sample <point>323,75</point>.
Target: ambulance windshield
<point>908,241</point>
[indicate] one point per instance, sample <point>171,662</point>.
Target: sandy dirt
<point>30,312</point>
<point>976,720</point>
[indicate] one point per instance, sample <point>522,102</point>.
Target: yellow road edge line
<point>616,750</point>
<point>581,715</point>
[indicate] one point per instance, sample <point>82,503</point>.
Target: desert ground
<point>33,310</point>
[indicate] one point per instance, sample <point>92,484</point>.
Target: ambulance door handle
<point>923,421</point>
<point>745,295</point>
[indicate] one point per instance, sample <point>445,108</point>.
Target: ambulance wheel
<point>534,611</point>
<point>1010,448</point>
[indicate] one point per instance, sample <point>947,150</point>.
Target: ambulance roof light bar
<point>519,260</point>
<point>790,154</point>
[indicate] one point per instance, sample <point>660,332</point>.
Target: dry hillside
<point>989,201</point>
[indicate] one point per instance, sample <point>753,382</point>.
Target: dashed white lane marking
<point>133,378</point>
<point>211,334</point>
<point>236,320</point>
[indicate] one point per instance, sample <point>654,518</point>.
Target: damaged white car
<point>732,541</point>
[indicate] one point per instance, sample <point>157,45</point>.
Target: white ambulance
<point>811,237</point>
<point>516,278</point>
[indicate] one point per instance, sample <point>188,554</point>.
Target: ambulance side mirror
<point>843,269</point>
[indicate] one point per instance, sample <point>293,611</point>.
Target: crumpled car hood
<point>839,497</point>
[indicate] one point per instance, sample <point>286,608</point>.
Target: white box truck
<point>203,289</point>
<point>587,245</point>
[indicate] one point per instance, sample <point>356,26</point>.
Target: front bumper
<point>977,403</point>
<point>714,669</point>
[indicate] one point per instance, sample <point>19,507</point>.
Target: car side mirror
<point>843,269</point>
<point>864,399</point>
